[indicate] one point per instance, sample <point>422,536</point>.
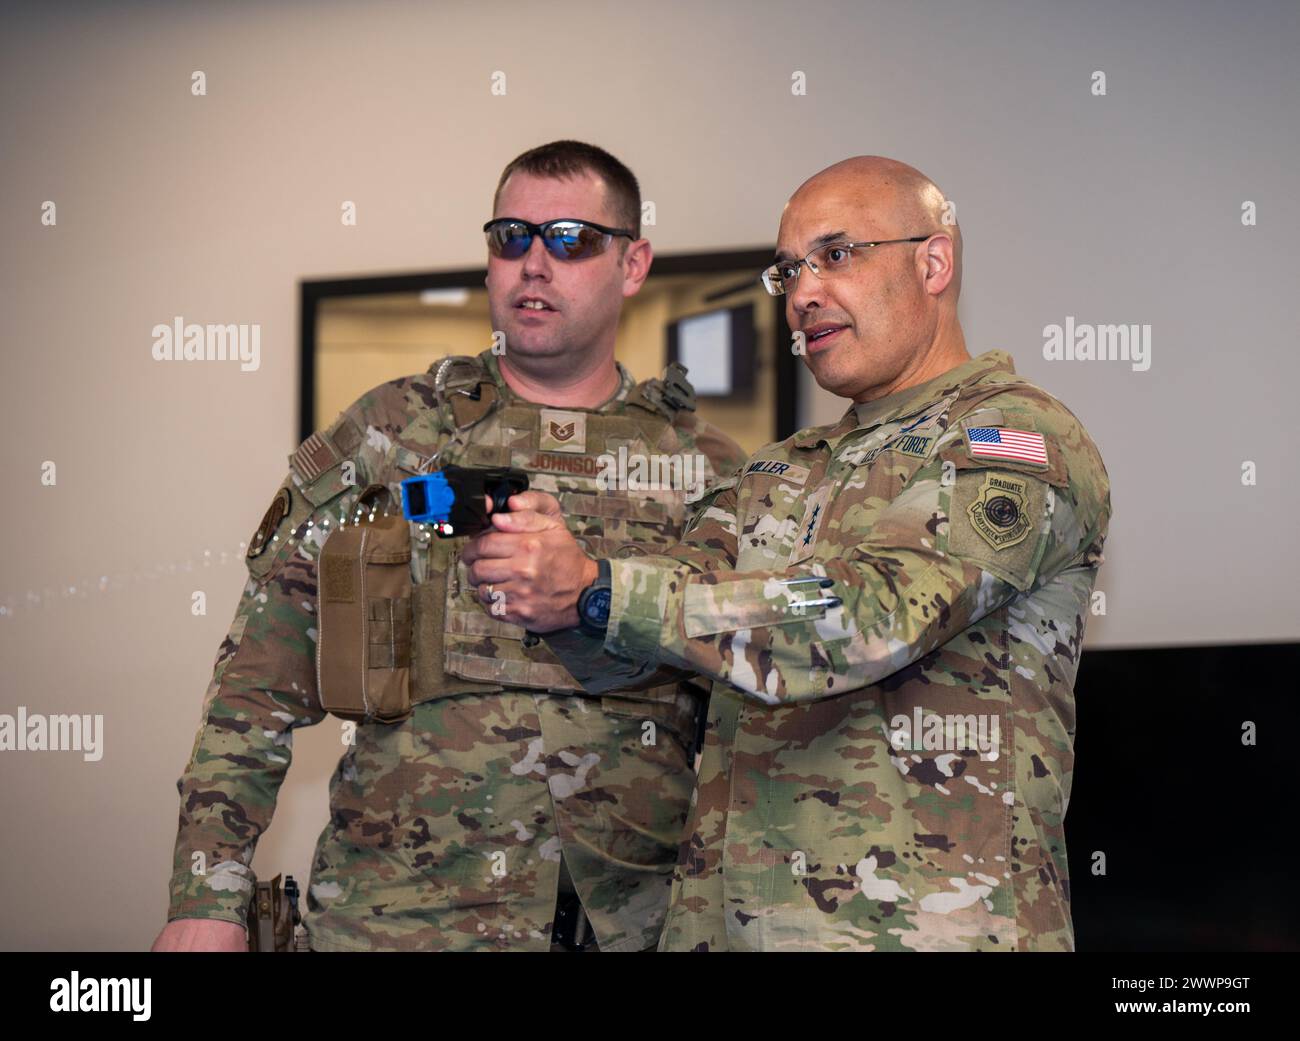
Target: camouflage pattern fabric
<point>894,616</point>
<point>446,830</point>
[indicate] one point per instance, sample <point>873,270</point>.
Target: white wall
<point>1116,209</point>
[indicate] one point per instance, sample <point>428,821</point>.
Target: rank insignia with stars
<point>806,537</point>
<point>812,525</point>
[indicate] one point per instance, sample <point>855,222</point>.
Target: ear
<point>636,266</point>
<point>938,264</point>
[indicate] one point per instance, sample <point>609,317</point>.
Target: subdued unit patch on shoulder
<point>275,514</point>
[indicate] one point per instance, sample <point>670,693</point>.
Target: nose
<point>808,294</point>
<point>537,261</point>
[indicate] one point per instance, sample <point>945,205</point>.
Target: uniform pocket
<point>669,708</point>
<point>617,526</point>
<point>363,645</point>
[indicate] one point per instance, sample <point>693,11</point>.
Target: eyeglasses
<point>567,239</point>
<point>831,259</point>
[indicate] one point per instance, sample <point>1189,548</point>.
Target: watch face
<point>596,609</point>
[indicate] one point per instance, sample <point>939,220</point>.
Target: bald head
<point>878,320</point>
<point>900,199</point>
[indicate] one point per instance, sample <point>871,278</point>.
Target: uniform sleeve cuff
<point>223,893</point>
<point>644,604</point>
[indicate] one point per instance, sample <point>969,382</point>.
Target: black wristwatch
<point>593,603</point>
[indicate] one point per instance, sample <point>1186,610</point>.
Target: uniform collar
<point>869,414</point>
<point>626,382</point>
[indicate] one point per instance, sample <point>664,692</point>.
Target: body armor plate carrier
<point>400,623</point>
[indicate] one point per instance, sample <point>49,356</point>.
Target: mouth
<point>819,336</point>
<point>533,305</point>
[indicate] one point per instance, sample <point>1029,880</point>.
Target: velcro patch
<point>997,522</point>
<point>313,457</point>
<point>805,541</point>
<point>1000,511</point>
<point>563,431</point>
<point>1019,446</point>
<point>337,581</point>
<point>275,513</point>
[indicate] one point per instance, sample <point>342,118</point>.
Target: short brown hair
<point>566,159</point>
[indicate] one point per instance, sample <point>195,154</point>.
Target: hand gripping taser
<point>452,499</point>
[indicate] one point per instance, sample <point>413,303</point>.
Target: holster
<point>273,917</point>
<point>364,632</point>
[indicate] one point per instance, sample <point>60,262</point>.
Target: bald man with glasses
<point>892,608</point>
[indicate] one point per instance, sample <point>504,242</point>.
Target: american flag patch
<point>313,457</point>
<point>1001,443</point>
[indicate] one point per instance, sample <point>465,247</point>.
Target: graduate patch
<point>275,513</point>
<point>999,513</point>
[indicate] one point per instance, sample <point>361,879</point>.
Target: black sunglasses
<point>567,239</point>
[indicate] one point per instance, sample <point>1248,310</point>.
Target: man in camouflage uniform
<point>457,826</point>
<point>892,606</point>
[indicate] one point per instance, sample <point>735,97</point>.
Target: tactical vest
<point>400,623</point>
